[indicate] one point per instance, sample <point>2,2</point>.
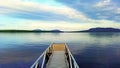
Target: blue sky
<point>59,14</point>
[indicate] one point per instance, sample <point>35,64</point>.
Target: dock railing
<point>43,58</point>
<point>71,60</point>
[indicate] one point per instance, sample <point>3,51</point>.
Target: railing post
<point>70,61</point>
<point>74,65</point>
<point>43,60</point>
<point>37,65</point>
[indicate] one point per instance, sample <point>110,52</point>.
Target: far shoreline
<point>91,30</point>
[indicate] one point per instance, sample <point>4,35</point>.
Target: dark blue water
<point>91,50</point>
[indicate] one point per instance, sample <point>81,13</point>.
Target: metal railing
<point>71,60</point>
<point>43,58</point>
<point>41,62</point>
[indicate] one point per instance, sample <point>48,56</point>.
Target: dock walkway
<point>58,59</point>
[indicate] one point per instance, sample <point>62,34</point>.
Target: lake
<point>91,50</point>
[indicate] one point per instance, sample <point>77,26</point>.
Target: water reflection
<point>21,55</point>
<point>99,52</point>
<point>103,34</point>
<point>92,50</point>
<point>95,56</point>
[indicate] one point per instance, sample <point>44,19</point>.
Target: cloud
<point>106,8</point>
<point>2,25</point>
<point>62,25</point>
<point>74,11</point>
<point>37,11</point>
<point>118,11</point>
<point>103,3</point>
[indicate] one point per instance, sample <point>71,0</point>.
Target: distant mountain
<point>102,30</point>
<point>56,30</point>
<point>37,30</point>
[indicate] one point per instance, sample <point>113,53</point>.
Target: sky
<point>59,14</point>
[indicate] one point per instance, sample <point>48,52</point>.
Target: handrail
<point>71,57</point>
<point>41,56</point>
<point>43,60</point>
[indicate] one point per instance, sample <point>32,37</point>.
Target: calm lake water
<point>91,50</point>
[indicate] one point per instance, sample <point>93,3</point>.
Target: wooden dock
<point>57,55</point>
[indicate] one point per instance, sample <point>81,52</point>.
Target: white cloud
<point>62,25</point>
<point>103,3</point>
<point>118,11</point>
<point>26,6</point>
